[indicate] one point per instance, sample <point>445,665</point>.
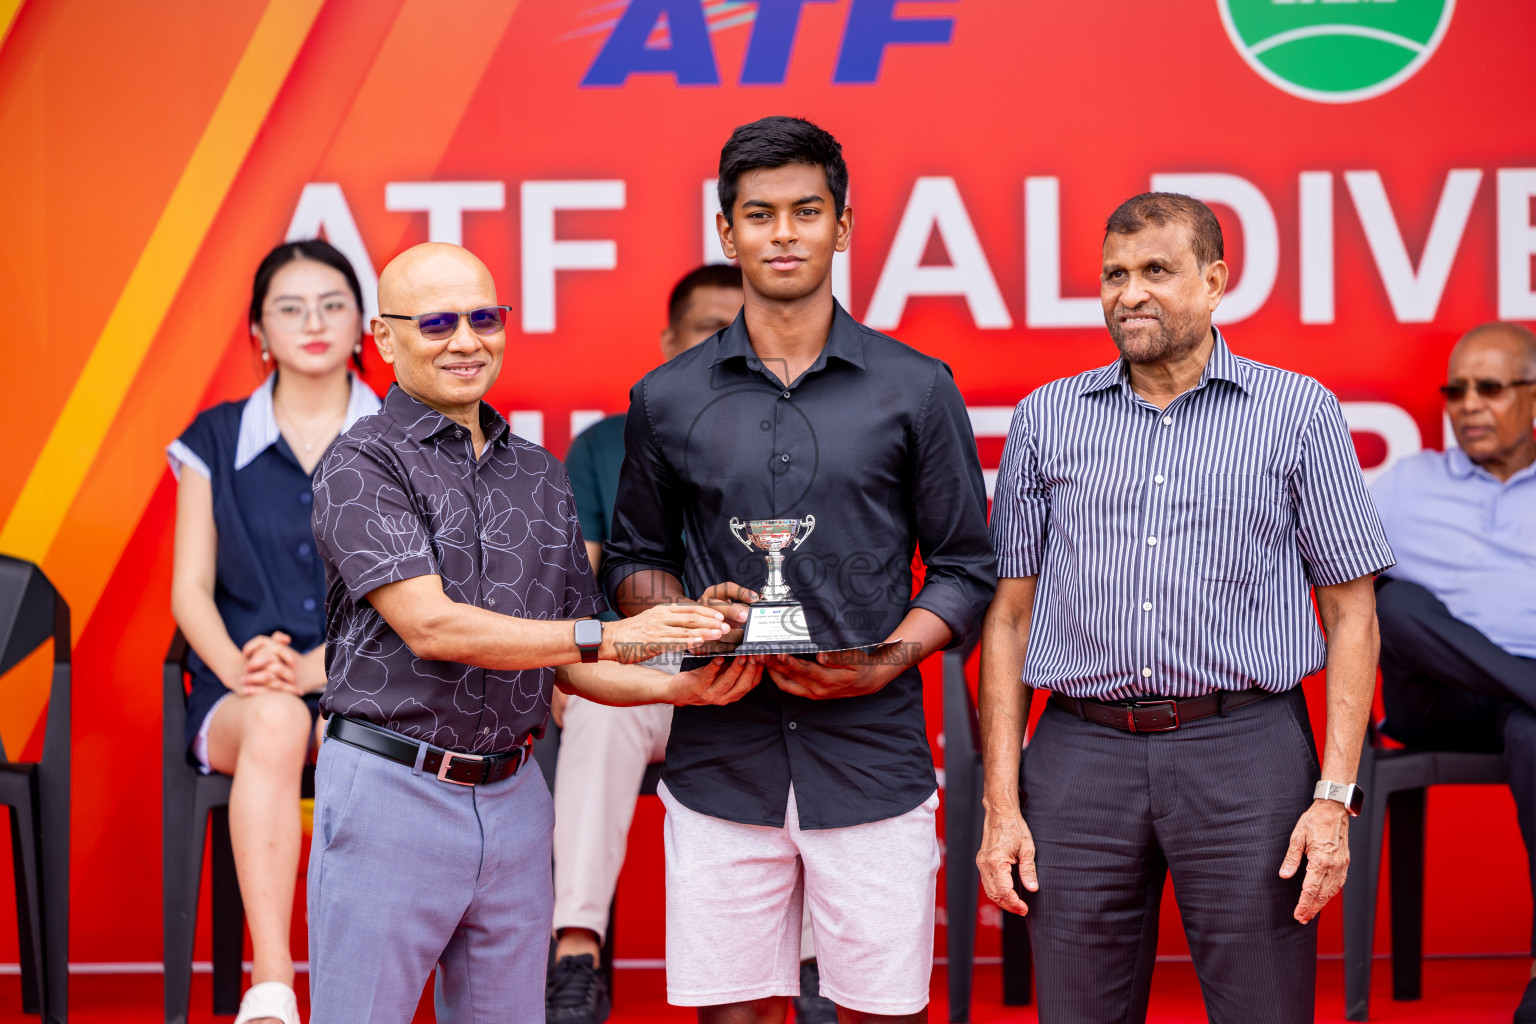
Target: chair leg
<point>53,842</point>
<point>962,880</point>
<point>1018,962</point>
<point>28,910</point>
<point>182,833</point>
<point>228,919</point>
<point>607,951</point>
<point>1360,890</point>
<point>1405,818</point>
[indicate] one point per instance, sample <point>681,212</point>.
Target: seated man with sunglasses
<point>458,593</point>
<point>1458,611</point>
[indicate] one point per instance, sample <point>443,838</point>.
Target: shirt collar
<point>1222,365</point>
<point>1461,466</point>
<point>258,422</point>
<point>421,422</point>
<point>845,341</point>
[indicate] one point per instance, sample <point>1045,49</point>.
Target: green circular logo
<point>1336,51</point>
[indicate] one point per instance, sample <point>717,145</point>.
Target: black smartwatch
<point>589,637</point>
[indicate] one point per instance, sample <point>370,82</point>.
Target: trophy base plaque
<point>776,627</point>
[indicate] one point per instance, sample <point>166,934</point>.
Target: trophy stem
<point>775,589</point>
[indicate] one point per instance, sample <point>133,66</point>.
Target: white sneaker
<point>270,999</point>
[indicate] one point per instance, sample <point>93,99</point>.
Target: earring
<point>265,354</point>
<point>357,349</point>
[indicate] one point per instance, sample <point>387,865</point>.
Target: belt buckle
<point>1171,705</point>
<point>448,756</point>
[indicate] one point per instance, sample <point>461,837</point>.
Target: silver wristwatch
<point>1351,796</point>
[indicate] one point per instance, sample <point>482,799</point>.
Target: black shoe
<point>811,1007</point>
<point>1525,1013</point>
<point>575,992</point>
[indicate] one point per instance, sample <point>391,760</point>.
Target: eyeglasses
<point>486,320</point>
<point>1457,389</point>
<point>293,315</point>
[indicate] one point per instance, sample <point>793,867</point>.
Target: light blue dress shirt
<point>1468,539</point>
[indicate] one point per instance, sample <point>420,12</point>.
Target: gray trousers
<point>1212,804</point>
<point>408,873</point>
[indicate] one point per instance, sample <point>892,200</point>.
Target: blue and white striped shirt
<point>1176,548</point>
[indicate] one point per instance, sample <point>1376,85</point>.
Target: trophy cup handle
<point>736,527</point>
<point>809,522</point>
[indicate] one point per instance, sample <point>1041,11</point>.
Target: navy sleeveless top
<point>268,576</point>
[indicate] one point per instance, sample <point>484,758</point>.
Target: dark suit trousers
<point>1212,805</point>
<point>1446,686</point>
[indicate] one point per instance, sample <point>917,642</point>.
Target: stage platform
<point>1470,991</point>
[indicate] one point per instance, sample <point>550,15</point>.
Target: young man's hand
<point>832,674</point>
<point>718,682</point>
<point>660,629</point>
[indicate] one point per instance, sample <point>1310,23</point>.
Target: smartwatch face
<point>589,633</point>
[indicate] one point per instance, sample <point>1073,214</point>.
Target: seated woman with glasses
<point>248,590</point>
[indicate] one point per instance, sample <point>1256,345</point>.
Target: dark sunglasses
<point>1457,390</point>
<point>437,326</point>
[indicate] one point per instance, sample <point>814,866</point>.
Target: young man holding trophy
<point>807,457</point>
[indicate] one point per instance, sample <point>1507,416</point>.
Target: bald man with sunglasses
<point>1458,611</point>
<point>458,592</point>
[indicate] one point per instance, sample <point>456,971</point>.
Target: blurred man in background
<point>1458,611</point>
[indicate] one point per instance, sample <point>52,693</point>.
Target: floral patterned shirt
<point>401,495</point>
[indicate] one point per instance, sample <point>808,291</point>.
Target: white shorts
<point>734,898</point>
<point>200,741</point>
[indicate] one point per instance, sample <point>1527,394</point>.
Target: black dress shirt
<point>875,442</point>
<point>401,495</point>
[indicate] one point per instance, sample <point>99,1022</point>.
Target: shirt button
<point>786,394</point>
<point>1146,673</point>
<point>1158,479</point>
<point>1167,421</point>
<point>1146,606</point>
<point>784,457</point>
<point>485,731</point>
<point>303,550</point>
<point>305,497</point>
<point>1152,541</point>
<point>309,604</point>
<point>490,602</point>
<point>792,725</point>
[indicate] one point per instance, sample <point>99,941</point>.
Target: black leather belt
<point>447,765</point>
<point>1158,715</point>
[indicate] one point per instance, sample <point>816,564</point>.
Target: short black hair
<point>317,249</point>
<point>1164,207</point>
<point>778,142</point>
<point>710,275</point>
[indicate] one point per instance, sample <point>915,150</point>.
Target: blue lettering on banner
<point>872,27</point>
<point>690,57</point>
<point>773,37</point>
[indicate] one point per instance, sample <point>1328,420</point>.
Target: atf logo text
<point>635,46</point>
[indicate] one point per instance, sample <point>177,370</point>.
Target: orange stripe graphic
<point>77,435</point>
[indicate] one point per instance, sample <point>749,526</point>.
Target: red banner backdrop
<point>1368,163</point>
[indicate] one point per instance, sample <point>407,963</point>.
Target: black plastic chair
<point>546,752</point>
<point>1395,782</point>
<point>962,839</point>
<point>190,799</point>
<point>31,612</point>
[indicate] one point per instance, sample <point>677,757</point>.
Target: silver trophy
<point>776,622</point>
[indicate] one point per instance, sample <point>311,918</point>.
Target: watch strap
<point>1351,795</point>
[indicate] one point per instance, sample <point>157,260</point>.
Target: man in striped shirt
<point>1162,525</point>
